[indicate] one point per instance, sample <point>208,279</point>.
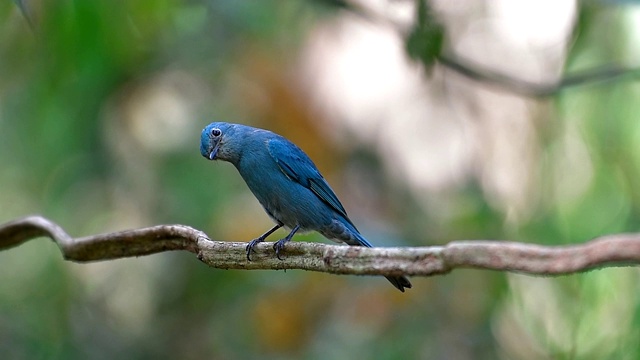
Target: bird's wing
<point>298,167</point>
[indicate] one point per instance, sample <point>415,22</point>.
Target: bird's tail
<point>400,282</point>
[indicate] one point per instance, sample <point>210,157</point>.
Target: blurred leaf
<point>425,41</point>
<point>333,4</point>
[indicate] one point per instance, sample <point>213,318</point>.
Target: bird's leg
<point>279,245</point>
<point>255,242</point>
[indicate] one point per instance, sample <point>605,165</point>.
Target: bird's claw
<point>250,246</point>
<point>279,246</point>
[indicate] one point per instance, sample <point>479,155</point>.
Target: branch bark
<point>606,251</point>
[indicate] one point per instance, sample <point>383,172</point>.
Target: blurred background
<point>101,108</point>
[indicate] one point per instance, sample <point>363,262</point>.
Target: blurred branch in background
<point>425,42</point>
<point>523,87</point>
<point>612,250</point>
<point>26,11</point>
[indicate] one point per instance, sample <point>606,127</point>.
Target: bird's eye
<point>216,132</point>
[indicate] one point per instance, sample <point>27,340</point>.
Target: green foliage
<point>425,41</point>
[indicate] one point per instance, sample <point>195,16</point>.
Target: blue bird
<point>286,183</point>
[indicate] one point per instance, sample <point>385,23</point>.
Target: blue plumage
<point>286,183</point>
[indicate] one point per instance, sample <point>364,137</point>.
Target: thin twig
<point>592,76</point>
<point>606,251</point>
<point>494,77</point>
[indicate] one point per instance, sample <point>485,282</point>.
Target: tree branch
<point>493,77</point>
<point>606,251</point>
<point>600,74</point>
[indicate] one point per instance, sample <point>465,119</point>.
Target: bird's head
<point>221,141</point>
<point>211,139</point>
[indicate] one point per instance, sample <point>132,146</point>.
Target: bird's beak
<point>214,151</point>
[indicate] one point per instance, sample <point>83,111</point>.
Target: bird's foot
<point>279,246</point>
<point>251,245</point>
<point>255,242</point>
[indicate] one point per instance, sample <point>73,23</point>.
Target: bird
<point>286,183</point>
